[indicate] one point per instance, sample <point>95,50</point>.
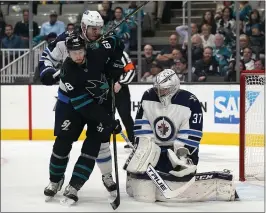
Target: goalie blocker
<point>208,186</point>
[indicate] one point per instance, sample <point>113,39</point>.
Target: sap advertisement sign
<point>226,105</point>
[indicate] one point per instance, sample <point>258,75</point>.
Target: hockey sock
<point>58,165</point>
<point>104,159</point>
<point>59,159</point>
<point>82,170</point>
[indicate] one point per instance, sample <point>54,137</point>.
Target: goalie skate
<point>51,190</point>
<point>109,184</point>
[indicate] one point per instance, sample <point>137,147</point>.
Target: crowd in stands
<point>213,40</point>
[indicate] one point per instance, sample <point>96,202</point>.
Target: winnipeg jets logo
<point>98,89</point>
<point>164,128</point>
<point>193,97</point>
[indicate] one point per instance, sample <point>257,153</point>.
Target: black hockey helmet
<point>75,42</point>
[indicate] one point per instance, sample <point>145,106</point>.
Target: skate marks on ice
<point>25,175</point>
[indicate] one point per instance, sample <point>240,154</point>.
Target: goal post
<point>252,125</point>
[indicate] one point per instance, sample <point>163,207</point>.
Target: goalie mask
<point>166,85</point>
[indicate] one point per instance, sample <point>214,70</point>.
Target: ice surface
<point>25,169</point>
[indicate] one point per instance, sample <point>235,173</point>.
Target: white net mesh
<point>254,126</point>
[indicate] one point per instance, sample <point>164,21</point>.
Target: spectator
<point>243,43</point>
<point>259,65</point>
<point>197,48</point>
<point>11,41</point>
<point>221,53</point>
<point>208,18</point>
<point>133,23</point>
<point>257,41</point>
<point>123,30</point>
<point>226,24</point>
<point>207,66</point>
<point>254,20</point>
<point>2,25</point>
<point>182,31</point>
<point>247,58</point>
<point>166,53</point>
<point>147,60</point>
<point>206,36</point>
<point>155,69</point>
<point>219,8</point>
<point>106,11</point>
<point>245,10</point>
<point>70,28</point>
<point>22,28</point>
<point>177,55</point>
<point>181,70</point>
<point>231,74</point>
<point>53,25</point>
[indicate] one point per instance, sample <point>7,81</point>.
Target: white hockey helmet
<point>166,85</point>
<point>90,18</point>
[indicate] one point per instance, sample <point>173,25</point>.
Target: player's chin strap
<point>156,178</point>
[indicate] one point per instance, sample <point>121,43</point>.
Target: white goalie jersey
<point>181,121</point>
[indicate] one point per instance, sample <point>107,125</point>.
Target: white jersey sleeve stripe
<point>143,132</point>
<point>188,142</point>
<point>195,133</point>
<point>141,121</point>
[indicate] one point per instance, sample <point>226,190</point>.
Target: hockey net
<point>252,125</point>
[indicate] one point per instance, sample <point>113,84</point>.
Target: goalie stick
<point>158,181</point>
<point>111,30</point>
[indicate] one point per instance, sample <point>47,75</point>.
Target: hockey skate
<point>109,184</point>
<point>51,190</point>
<point>71,196</point>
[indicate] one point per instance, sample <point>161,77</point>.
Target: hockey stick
<point>159,182</point>
<point>116,202</point>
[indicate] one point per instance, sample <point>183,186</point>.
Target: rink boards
<point>27,112</point>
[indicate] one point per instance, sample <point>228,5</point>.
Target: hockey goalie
<point>168,131</point>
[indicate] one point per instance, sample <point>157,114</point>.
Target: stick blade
<point>116,202</point>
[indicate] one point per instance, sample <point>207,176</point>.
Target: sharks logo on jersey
<point>164,128</point>
<point>93,88</point>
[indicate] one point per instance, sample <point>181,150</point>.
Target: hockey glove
<point>116,127</point>
<point>47,76</point>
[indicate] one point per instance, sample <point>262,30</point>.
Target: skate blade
<point>67,202</point>
<point>48,198</point>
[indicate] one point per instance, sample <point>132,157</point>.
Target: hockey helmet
<point>75,42</point>
<point>91,19</point>
<point>166,85</point>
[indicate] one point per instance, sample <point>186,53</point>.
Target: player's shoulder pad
<point>184,98</point>
<point>150,95</point>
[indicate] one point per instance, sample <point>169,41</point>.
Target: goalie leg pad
<point>141,188</point>
<point>147,152</point>
<point>209,186</point>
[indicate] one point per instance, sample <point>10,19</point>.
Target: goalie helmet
<point>166,85</point>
